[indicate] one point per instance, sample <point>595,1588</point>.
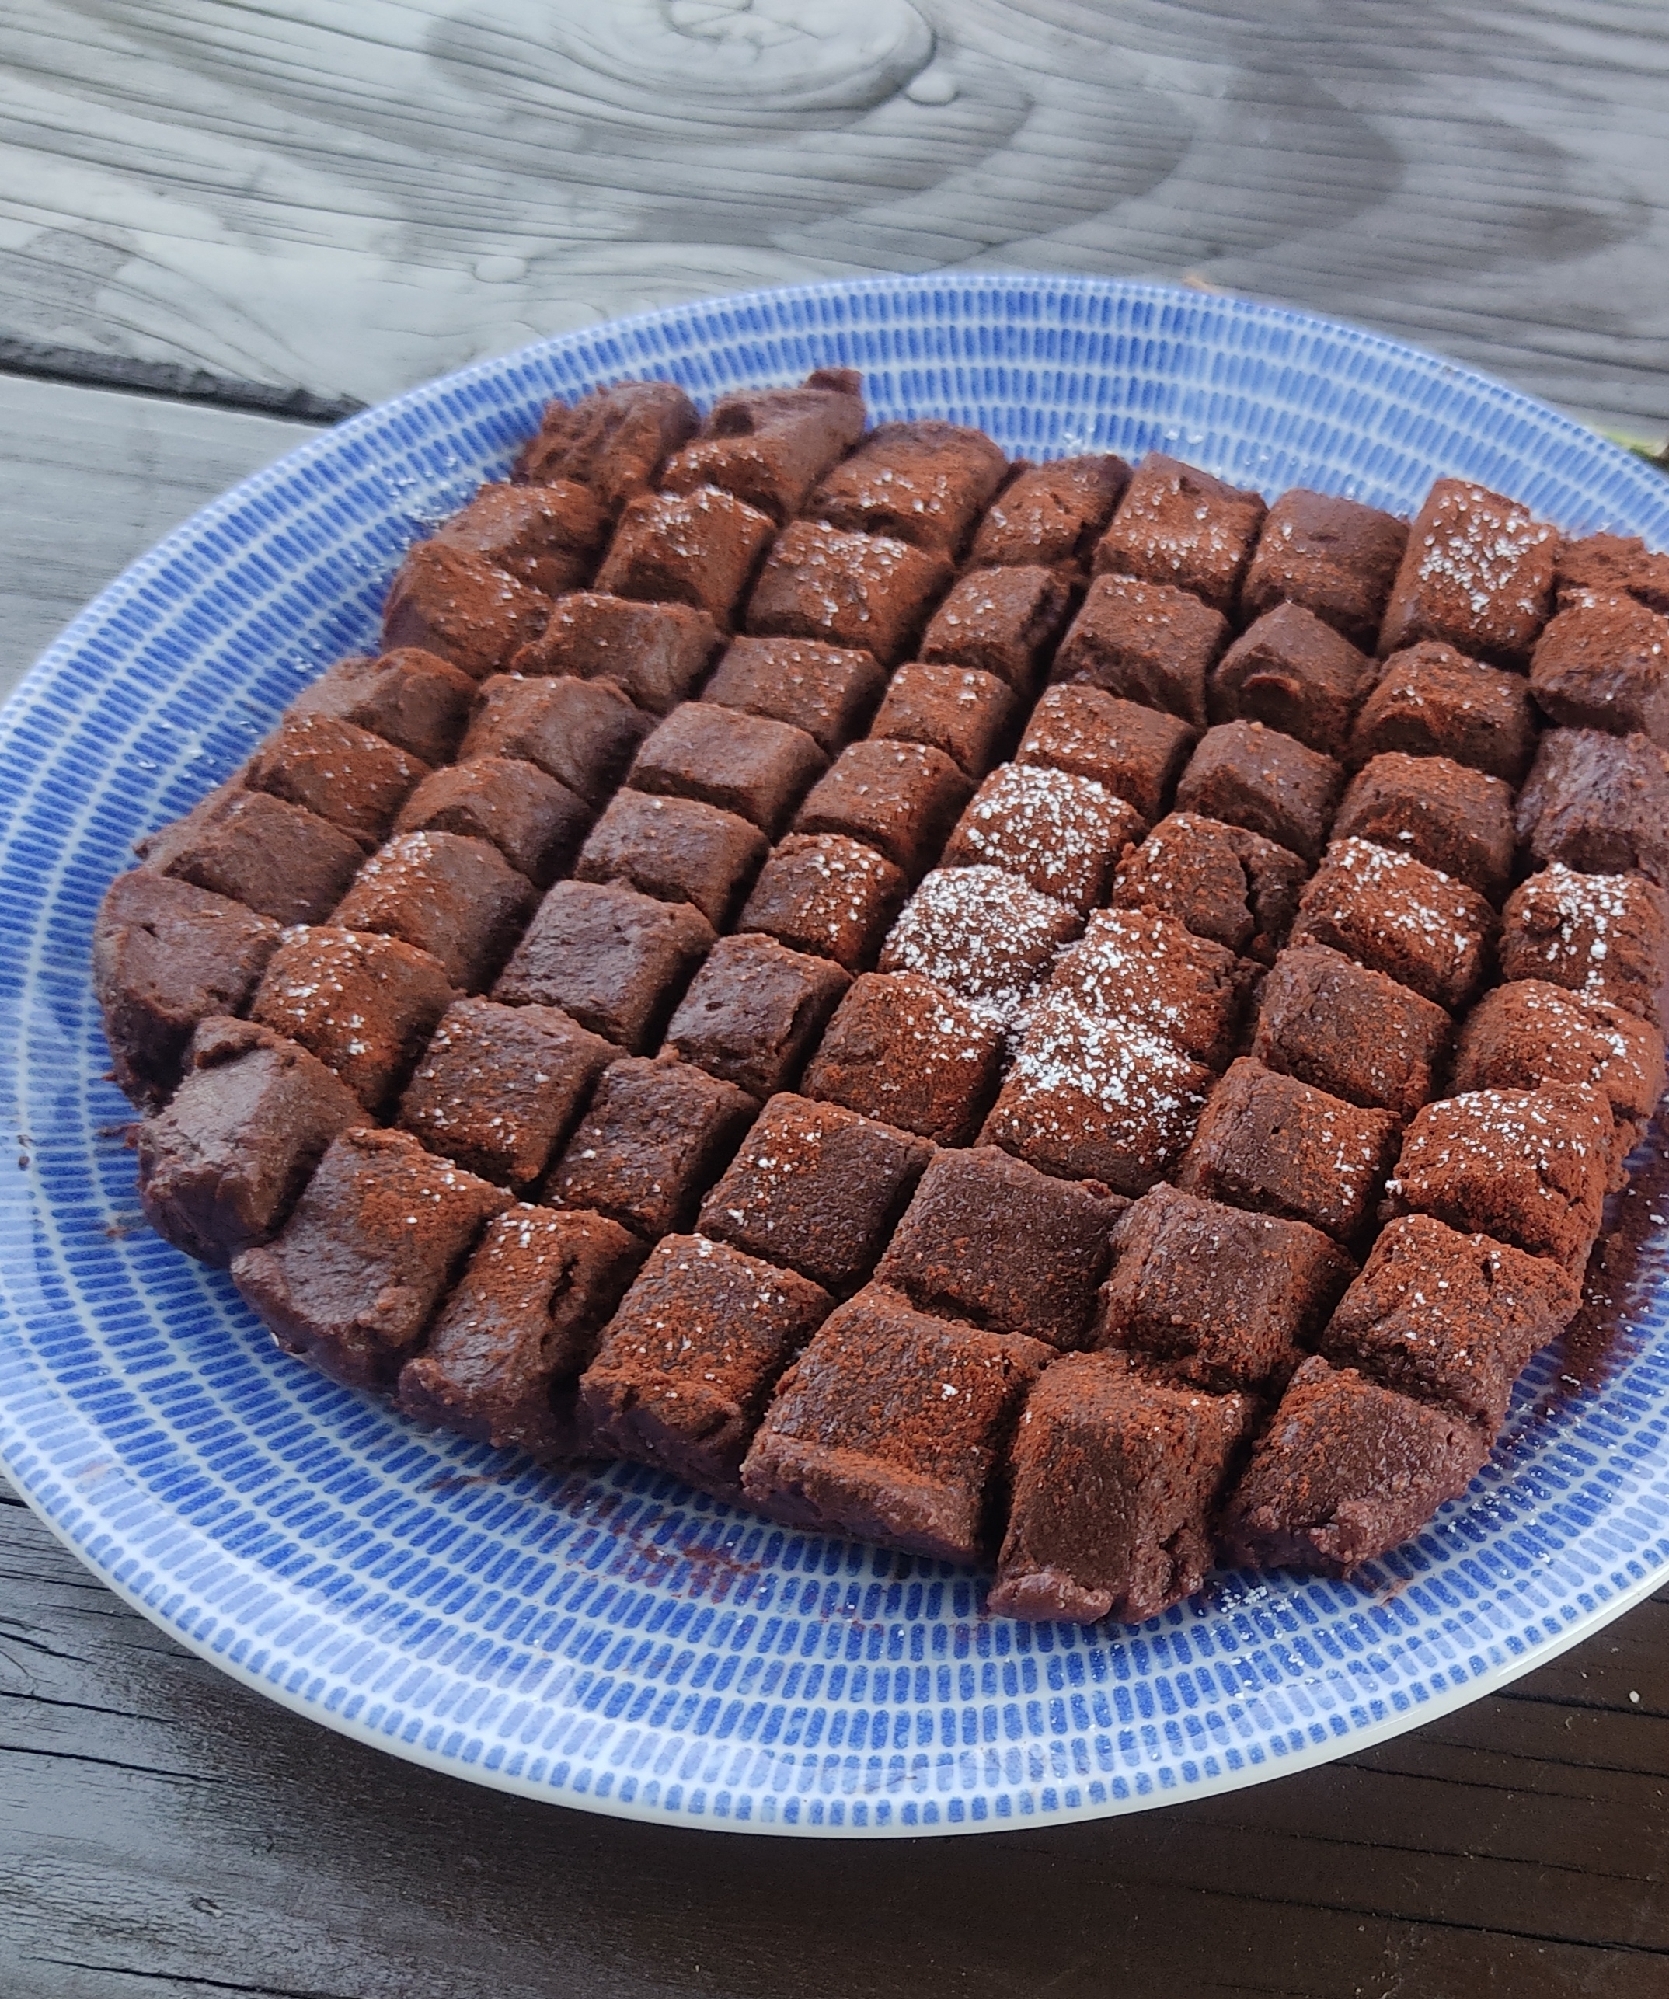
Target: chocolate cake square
<point>957,709</point>
<point>924,482</point>
<point>1208,1296</point>
<point>1603,663</point>
<point>689,1360</point>
<point>1477,574</point>
<point>1060,834</point>
<point>1451,818</point>
<point>364,1005</point>
<point>817,1188</point>
<point>893,1426</point>
<point>445,600</point>
<point>656,653</point>
<point>275,858</point>
<point>1612,563</point>
<point>1343,1472</point>
<point>675,848</point>
<point>1094,1098</point>
<point>165,956</point>
<point>1052,513</point>
<point>1333,556</point>
<point>828,691</point>
<point>991,1240</point>
<point>1003,621</point>
<point>1219,881</point>
<point>1597,802</point>
<point>458,899</point>
<point>548,536</point>
<point>503,1359</point>
<point>907,1052</point>
<point>222,1166</point>
<point>746,764</point>
<point>373,1245</point>
<point>754,1011</point>
<point>1431,702</point>
<point>1136,752</point>
<point>828,894</point>
<point>1604,936</point>
<point>533,820</point>
<point>415,700</point>
<point>1393,914</point>
<point>1256,777</point>
<point>1116,1478</point>
<point>771,446</point>
<point>615,960</point>
<point>983,934</point>
<point>337,770</point>
<point>614,440</point>
<point>699,547</point>
<point>500,1087</point>
<point>1281,1147</point>
<point>1352,1032</point>
<point>1449,1319</point>
<point>656,1137</point>
<point>1143,967</point>
<point>900,798</point>
<point>1179,526</point>
<point>1528,1167</point>
<point>1295,673</point>
<point>863,590</point>
<point>1143,642</point>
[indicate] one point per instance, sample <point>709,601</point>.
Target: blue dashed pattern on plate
<point>612,1641</point>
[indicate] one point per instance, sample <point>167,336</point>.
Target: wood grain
<point>339,197</point>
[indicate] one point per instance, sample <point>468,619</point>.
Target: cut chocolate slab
<point>1220,881</point>
<point>754,1011</point>
<point>892,1426</point>
<point>657,653</point>
<point>689,1360</point>
<point>1604,936</point>
<point>907,1052</point>
<point>1613,563</point>
<point>165,956</point>
<point>1431,702</point>
<point>533,820</point>
<point>1449,1319</point>
<point>900,798</point>
<point>746,764</point>
<point>1091,1098</point>
<point>1335,557</point>
<point>828,691</point>
<point>1352,1032</point>
<point>337,770</point>
<point>1449,817</point>
<point>1252,776</point>
<point>1136,752</point>
<point>615,960</point>
<point>1599,803</point>
<point>957,709</point>
<point>1115,1481</point>
<point>655,1138</point>
<point>771,446</point>
<point>1003,621</point>
<point>1295,673</point>
<point>676,849</point>
<point>547,536</point>
<point>1528,1167</point>
<point>364,1005</point>
<point>373,1244</point>
<point>1603,663</point>
<point>1393,914</point>
<point>458,899</point>
<point>1144,642</point>
<point>1146,969</point>
<point>817,1188</point>
<point>1280,1147</point>
<point>1477,573</point>
<point>865,590</point>
<point>415,700</point>
<point>503,1359</point>
<point>982,934</point>
<point>1178,525</point>
<point>614,440</point>
<point>991,1240</point>
<point>500,1087</point>
<point>275,858</point>
<point>581,732</point>
<point>828,894</point>
<point>1052,513</point>
<point>925,482</point>
<point>221,1167</point>
<point>445,600</point>
<point>1343,1472</point>
<point>698,547</point>
<point>1208,1296</point>
<point>1062,835</point>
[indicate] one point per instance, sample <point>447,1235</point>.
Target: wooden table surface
<point>221,223</point>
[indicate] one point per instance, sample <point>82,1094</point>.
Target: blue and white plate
<point>612,1641</point>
